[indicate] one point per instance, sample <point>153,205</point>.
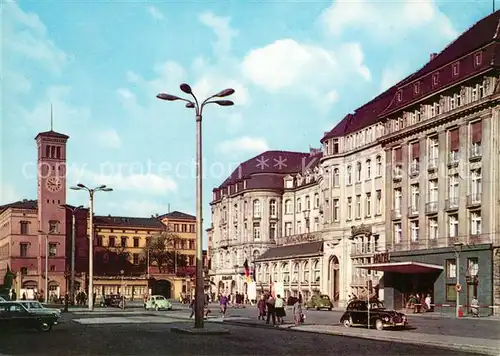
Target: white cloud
<point>305,69</point>
<point>243,144</point>
<point>8,194</point>
<point>391,20</point>
<point>122,177</point>
<point>157,14</point>
<point>222,29</point>
<point>212,83</point>
<point>141,208</point>
<point>108,138</point>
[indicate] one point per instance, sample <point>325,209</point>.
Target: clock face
<point>53,184</point>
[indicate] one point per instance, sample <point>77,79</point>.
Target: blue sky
<point>297,67</point>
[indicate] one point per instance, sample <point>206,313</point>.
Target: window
<point>416,88</point>
<point>336,177</point>
<point>288,206</point>
<point>398,233</point>
<point>272,208</point>
<point>472,266</point>
<point>308,203</point>
<point>256,208</point>
<point>451,268</point>
<point>378,161</point>
<point>451,293</point>
<point>52,250</point>
<point>135,258</point>
<point>305,272</point>
<point>336,146</point>
<point>191,228</point>
<point>433,190</point>
<point>299,227</point>
<point>415,198</point>
<point>295,273</point>
<point>53,227</point>
<point>435,79</point>
<point>433,228</point>
<point>23,249</point>
<point>477,59</point>
<point>336,210</point>
<point>475,223</point>
<point>414,230</point>
<point>299,205</point>
<point>176,226</point>
<point>476,185</point>
<point>191,261</point>
<point>349,208</point>
<point>349,175</point>
<point>453,189</point>
<point>316,201</point>
<point>111,242</point>
<point>368,207</point>
<point>456,69</point>
<point>397,199</point>
<point>136,242</point>
<point>453,225</point>
<point>378,202</point>
<point>256,231</point>
<point>272,231</point>
<point>123,241</point>
<point>368,169</point>
<point>24,227</point>
<point>288,229</point>
<point>316,272</point>
<point>358,172</point>
<point>99,240</point>
<point>400,95</point>
<point>358,206</point>
<point>184,226</point>
<point>285,273</point>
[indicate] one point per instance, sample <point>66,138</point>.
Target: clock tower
<point>51,147</point>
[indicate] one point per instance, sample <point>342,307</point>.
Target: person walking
<point>279,308</point>
<point>192,306</point>
<point>223,305</point>
<point>271,312</point>
<point>298,316</point>
<point>261,305</point>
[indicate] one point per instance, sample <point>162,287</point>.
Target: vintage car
<point>157,302</point>
<point>111,300</point>
<point>35,306</point>
<point>319,302</point>
<point>363,313</point>
<point>14,316</point>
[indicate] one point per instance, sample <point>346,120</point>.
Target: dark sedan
<point>111,300</point>
<point>361,313</point>
<point>14,316</point>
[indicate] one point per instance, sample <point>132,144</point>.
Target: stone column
<point>442,175</point>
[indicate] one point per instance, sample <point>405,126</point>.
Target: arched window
<point>266,273</point>
<point>228,259</point>
<point>378,171</point>
<point>368,169</point>
<point>285,272</point>
<point>224,215</point>
<point>295,273</point>
<point>221,260</point>
<point>336,177</point>
<point>255,254</point>
<point>235,258</point>
<point>288,206</point>
<point>272,208</point>
<point>316,272</point>
<point>349,175</point>
<point>316,201</point>
<point>358,172</point>
<point>256,208</point>
<point>275,272</point>
<point>308,203</point>
<point>305,272</point>
<point>299,205</point>
<point>258,274</point>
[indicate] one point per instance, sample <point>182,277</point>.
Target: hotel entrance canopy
<point>403,267</point>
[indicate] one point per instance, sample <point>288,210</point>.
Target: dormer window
<point>456,69</point>
<point>435,79</point>
<point>416,88</point>
<point>400,95</point>
<point>478,58</point>
<point>336,147</point>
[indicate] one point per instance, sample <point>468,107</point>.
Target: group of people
<point>273,309</point>
<point>419,303</point>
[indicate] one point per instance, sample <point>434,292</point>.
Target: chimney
<point>433,55</point>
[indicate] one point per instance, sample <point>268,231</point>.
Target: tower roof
<point>51,134</point>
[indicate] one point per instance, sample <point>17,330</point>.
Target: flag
<point>247,271</point>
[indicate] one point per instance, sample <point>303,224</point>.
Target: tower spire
<point>51,118</point>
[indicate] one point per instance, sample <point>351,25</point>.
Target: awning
<point>402,267</point>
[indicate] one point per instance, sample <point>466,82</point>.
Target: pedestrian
<point>261,305</point>
<point>24,296</point>
<point>271,312</point>
<point>297,311</point>
<point>474,307</point>
<point>279,308</point>
<point>427,303</point>
<point>192,305</point>
<point>223,305</point>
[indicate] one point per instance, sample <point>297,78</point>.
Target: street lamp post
<point>73,241</point>
<point>91,192</point>
<point>457,247</point>
<point>195,104</point>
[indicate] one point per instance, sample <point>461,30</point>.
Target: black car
<point>111,300</point>
<point>360,313</point>
<point>14,316</point>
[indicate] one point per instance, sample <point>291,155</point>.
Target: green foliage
<point>162,252</point>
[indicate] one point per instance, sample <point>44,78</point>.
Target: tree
<point>161,248</point>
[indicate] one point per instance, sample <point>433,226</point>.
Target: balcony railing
<point>451,203</point>
<point>414,168</point>
<point>431,207</point>
<point>359,249</point>
<point>453,159</point>
<point>476,153</point>
<point>432,164</point>
<point>412,211</point>
<point>396,214</point>
<point>474,200</point>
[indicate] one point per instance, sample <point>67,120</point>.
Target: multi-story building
<point>246,214</point>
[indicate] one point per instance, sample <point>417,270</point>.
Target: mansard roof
<point>481,38</point>
<point>129,222</point>
<point>21,204</point>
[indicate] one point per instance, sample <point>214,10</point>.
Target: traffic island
<point>208,329</point>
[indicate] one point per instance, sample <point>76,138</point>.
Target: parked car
<point>157,302</point>
<point>359,311</point>
<point>35,306</point>
<point>111,300</point>
<point>14,316</point>
<point>319,302</point>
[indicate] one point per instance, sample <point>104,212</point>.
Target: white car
<point>157,302</point>
<point>35,306</point>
